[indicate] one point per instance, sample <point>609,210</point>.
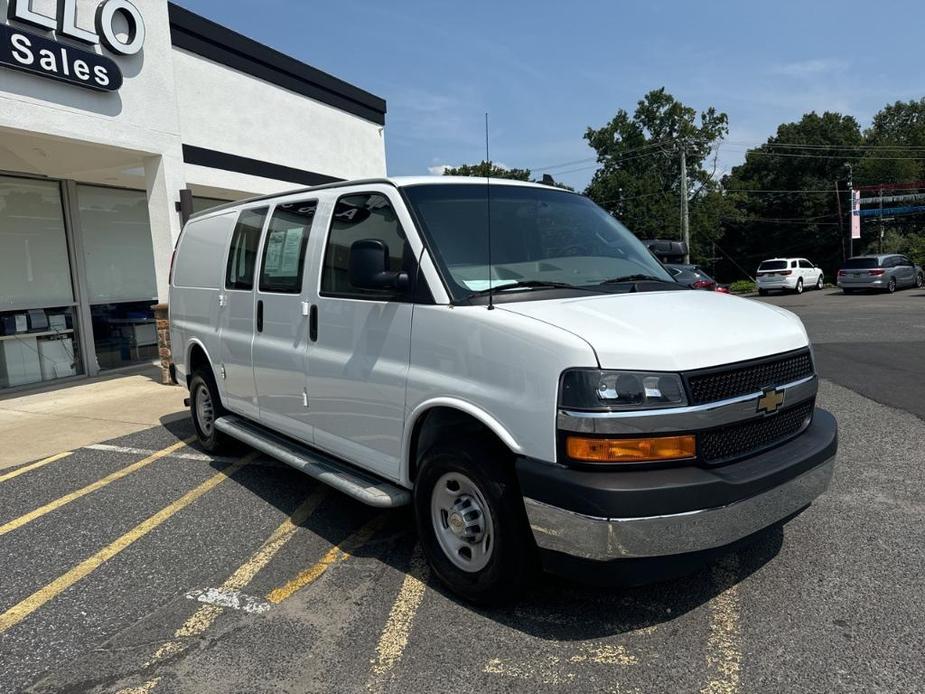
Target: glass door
<point>38,317</point>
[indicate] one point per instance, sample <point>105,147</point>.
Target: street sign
<point>855,214</point>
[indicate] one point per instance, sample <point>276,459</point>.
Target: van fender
<point>486,418</point>
<point>196,342</point>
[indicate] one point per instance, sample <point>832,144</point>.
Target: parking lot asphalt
<point>142,566</point>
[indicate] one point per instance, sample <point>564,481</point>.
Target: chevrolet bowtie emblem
<point>771,401</point>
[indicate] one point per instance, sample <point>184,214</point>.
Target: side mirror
<point>368,267</point>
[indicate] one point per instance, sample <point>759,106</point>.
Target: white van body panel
<point>198,277</point>
<point>505,366</point>
<point>671,331</point>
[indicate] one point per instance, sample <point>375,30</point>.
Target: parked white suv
<point>544,400</point>
<point>791,274</point>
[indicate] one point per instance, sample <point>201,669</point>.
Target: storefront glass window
<point>38,326</point>
<point>121,284</point>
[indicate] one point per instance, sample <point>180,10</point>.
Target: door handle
<point>313,323</point>
<point>260,316</point>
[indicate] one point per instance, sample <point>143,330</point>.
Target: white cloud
<point>438,169</point>
<point>809,68</point>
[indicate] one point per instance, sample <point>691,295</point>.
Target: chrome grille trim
<point>681,419</point>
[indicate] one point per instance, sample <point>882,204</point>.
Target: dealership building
<point>119,119</point>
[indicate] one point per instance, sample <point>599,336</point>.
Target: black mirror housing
<point>368,267</point>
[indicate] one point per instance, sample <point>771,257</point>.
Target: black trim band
<point>203,37</point>
<point>200,156</point>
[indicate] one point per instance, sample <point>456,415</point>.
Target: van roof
<point>396,181</point>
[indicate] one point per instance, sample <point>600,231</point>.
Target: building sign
<point>22,50</point>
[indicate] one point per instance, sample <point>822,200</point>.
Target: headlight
<point>591,389</point>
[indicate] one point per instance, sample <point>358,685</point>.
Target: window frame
<point>408,296</point>
<point>266,216</point>
<point>303,253</point>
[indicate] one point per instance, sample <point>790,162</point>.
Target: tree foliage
<point>487,168</point>
<point>786,197</point>
<point>639,174</point>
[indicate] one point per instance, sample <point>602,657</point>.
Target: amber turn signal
<point>657,449</point>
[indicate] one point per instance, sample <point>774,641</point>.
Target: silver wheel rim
<point>462,522</point>
<point>819,283</point>
<point>800,287</point>
<point>891,286</point>
<point>205,412</point>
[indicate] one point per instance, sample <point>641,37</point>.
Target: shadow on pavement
<point>553,608</point>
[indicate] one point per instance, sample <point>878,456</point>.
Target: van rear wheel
<point>206,407</point>
<point>472,523</point>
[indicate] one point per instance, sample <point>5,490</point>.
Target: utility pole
<point>685,216</point>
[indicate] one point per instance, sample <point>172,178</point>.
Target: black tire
<point>820,283</point>
<point>891,285</point>
<point>919,281</point>
<point>799,287</point>
<point>203,385</point>
<point>762,292</point>
<point>512,559</point>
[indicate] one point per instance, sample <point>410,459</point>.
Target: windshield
<point>861,263</point>
<point>773,265</point>
<point>538,236</point>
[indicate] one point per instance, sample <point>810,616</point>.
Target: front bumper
<point>602,515</point>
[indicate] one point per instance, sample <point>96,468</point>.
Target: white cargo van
<point>546,397</point>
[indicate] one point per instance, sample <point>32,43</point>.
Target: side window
<point>284,250</point>
<point>805,264</point>
<point>242,256</point>
<point>905,261</point>
<point>793,263</point>
<point>357,218</point>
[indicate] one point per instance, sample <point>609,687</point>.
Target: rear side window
<point>199,262</point>
<point>284,250</point>
<point>860,263</point>
<point>357,218</point>
<point>773,265</point>
<point>242,256</point>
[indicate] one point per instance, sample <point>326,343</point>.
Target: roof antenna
<point>491,302</point>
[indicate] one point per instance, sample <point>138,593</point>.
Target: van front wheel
<point>205,408</point>
<point>471,521</point>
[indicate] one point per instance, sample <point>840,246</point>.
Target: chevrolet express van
<point>508,359</point>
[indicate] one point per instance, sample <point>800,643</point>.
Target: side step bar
<point>354,483</point>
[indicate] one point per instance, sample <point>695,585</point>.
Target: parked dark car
<point>691,276</point>
<point>887,272</point>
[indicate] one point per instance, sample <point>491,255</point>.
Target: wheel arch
<point>431,418</point>
<point>197,356</point>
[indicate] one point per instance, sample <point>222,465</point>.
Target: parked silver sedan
<point>887,272</point>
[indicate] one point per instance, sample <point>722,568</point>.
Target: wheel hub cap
<point>462,522</point>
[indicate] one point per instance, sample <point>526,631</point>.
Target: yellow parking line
<point>724,656</point>
<point>20,611</point>
<point>203,618</point>
<point>397,630</point>
<point>34,466</point>
<point>90,488</point>
<point>337,554</point>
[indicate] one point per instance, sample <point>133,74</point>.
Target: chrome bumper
<point>601,539</point>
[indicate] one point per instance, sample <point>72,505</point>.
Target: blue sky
<point>545,71</point>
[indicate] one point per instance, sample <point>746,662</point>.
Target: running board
<point>354,483</point>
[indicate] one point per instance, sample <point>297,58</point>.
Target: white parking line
<point>230,599</point>
<point>198,457</point>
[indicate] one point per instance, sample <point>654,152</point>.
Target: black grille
<point>731,382</point>
<point>728,443</point>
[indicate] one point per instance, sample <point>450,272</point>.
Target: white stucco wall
<point>228,111</point>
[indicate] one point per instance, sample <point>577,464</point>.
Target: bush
<point>743,287</point>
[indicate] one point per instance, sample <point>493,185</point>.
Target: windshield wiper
<point>636,278</point>
<point>528,284</point>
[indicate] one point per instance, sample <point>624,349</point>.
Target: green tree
<point>487,168</point>
<point>896,137</point>
<point>782,193</point>
<point>639,179</point>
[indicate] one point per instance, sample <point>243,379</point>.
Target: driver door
<point>360,349</point>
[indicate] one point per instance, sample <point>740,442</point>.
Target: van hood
<point>671,331</point>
